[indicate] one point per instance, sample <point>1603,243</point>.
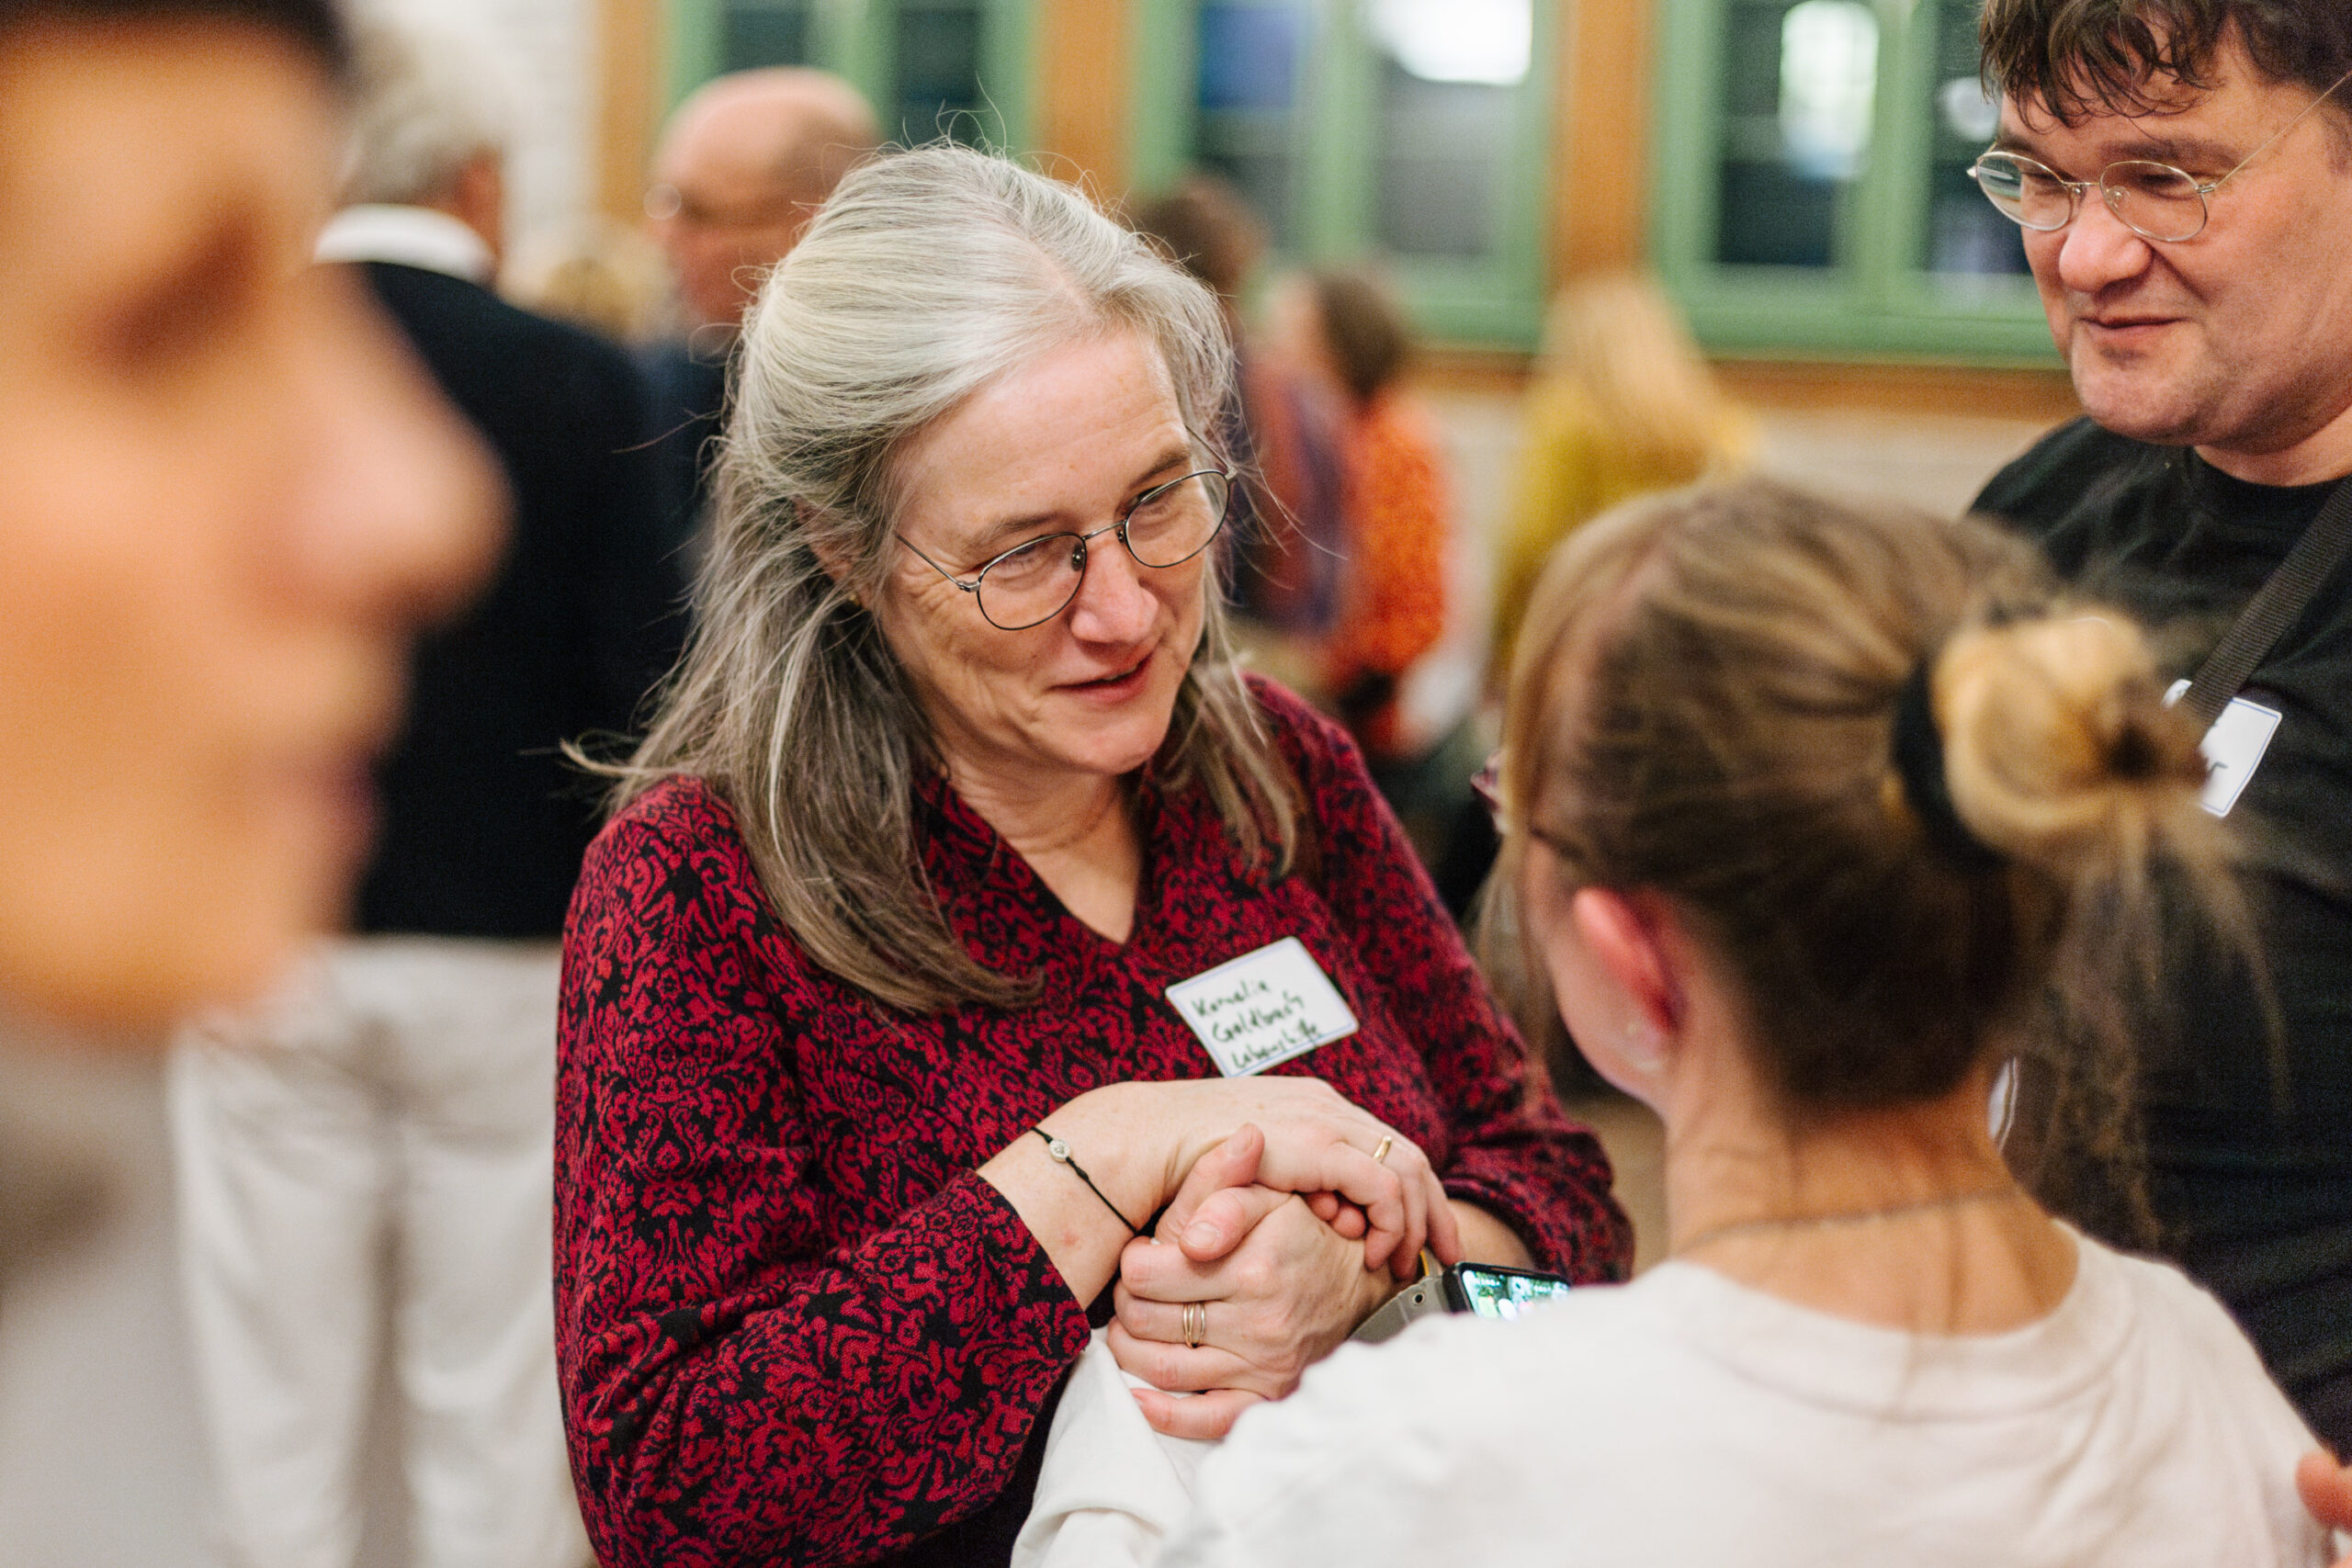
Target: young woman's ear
<point>1625,941</point>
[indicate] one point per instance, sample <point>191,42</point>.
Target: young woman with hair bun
<point>1814,815</point>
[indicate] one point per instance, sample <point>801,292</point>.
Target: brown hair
<point>316,25</point>
<point>1367,335</point>
<point>1705,704</point>
<point>2075,57</point>
<point>1204,227</point>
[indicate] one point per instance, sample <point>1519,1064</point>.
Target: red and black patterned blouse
<point>794,1326</point>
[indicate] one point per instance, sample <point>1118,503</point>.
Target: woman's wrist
<point>1487,1238</point>
<point>1127,1155</point>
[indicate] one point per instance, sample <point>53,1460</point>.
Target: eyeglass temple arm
<point>971,587</point>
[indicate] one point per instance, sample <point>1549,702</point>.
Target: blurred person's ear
<point>478,200</point>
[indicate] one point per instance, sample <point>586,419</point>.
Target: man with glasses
<point>742,164</point>
<point>2182,172</point>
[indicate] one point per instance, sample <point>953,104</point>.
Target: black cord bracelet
<point>1060,1151</point>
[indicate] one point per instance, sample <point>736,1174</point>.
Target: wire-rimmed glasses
<point>2154,200</point>
<point>1030,583</point>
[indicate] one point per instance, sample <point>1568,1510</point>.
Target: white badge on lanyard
<point>1263,1008</point>
<point>2232,748</point>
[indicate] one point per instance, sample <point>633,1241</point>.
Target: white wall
<point>547,52</point>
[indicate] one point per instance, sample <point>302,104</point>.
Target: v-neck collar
<point>972,868</point>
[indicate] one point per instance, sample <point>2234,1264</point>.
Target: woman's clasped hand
<point>1287,1231</point>
<point>1275,1271</point>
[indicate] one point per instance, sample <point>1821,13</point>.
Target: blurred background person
<point>1395,585</point>
<point>742,164</point>
<point>230,498</point>
<point>1622,404</point>
<point>1288,529</point>
<point>402,1086</point>
<point>597,274</point>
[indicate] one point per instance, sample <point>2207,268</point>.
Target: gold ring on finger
<point>1196,1321</point>
<point>1380,1150</point>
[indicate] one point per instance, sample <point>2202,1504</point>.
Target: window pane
<point>938,59</point>
<point>1964,234</point>
<point>764,32</point>
<point>1449,74</point>
<point>1246,94</point>
<point>1799,81</point>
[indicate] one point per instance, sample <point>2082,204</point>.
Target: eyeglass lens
<point>2154,200</point>
<point>1167,526</point>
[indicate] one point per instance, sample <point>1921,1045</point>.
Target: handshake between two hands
<point>1274,1268</point>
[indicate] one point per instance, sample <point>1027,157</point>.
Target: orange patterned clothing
<point>1399,509</point>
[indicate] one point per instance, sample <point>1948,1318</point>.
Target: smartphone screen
<point>1506,1293</point>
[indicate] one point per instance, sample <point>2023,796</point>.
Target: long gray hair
<point>929,274</point>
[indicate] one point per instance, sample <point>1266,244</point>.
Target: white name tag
<point>2232,748</point>
<point>1263,1008</point>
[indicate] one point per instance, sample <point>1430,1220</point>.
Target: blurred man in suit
<point>374,1147</point>
<point>741,165</point>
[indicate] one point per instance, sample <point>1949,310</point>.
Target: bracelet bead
<point>1059,1153</point>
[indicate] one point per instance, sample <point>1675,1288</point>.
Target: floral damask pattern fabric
<point>795,1327</point>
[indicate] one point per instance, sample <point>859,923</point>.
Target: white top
<point>1111,1488</point>
<point>1686,1419</point>
<point>409,236</point>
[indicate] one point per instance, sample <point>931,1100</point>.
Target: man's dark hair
<point>2077,57</point>
<point>315,26</point>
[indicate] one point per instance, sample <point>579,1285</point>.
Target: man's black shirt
<point>2250,1150</point>
<point>484,823</point>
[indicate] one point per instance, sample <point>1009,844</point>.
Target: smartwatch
<point>1484,1290</point>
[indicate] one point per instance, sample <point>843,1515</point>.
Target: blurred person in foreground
<point>1814,815</point>
<point>380,1132</point>
<point>1289,543</point>
<point>230,497</point>
<point>742,164</point>
<point>1396,588</point>
<point>1622,404</point>
<point>877,1054</point>
<point>2181,172</point>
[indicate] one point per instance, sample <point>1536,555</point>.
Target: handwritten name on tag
<point>1263,1008</point>
<point>2233,748</point>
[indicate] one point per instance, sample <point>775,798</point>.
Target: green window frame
<point>1877,298</point>
<point>860,39</point>
<point>1495,298</point>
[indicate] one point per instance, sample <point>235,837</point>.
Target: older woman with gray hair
<point>969,924</point>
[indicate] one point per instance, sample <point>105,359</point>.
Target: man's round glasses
<point>2154,200</point>
<point>1030,583</point>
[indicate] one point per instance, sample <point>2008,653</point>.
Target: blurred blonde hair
<point>601,275</point>
<point>1616,338</point>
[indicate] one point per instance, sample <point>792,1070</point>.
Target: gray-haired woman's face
<point>1061,446</point>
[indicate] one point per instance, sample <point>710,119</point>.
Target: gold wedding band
<point>1380,1150</point>
<point>1196,1321</point>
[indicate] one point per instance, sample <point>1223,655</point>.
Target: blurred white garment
<point>408,236</point>
<point>373,1148</point>
<point>1111,1489</point>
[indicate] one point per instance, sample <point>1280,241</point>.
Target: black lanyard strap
<point>2276,606</point>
